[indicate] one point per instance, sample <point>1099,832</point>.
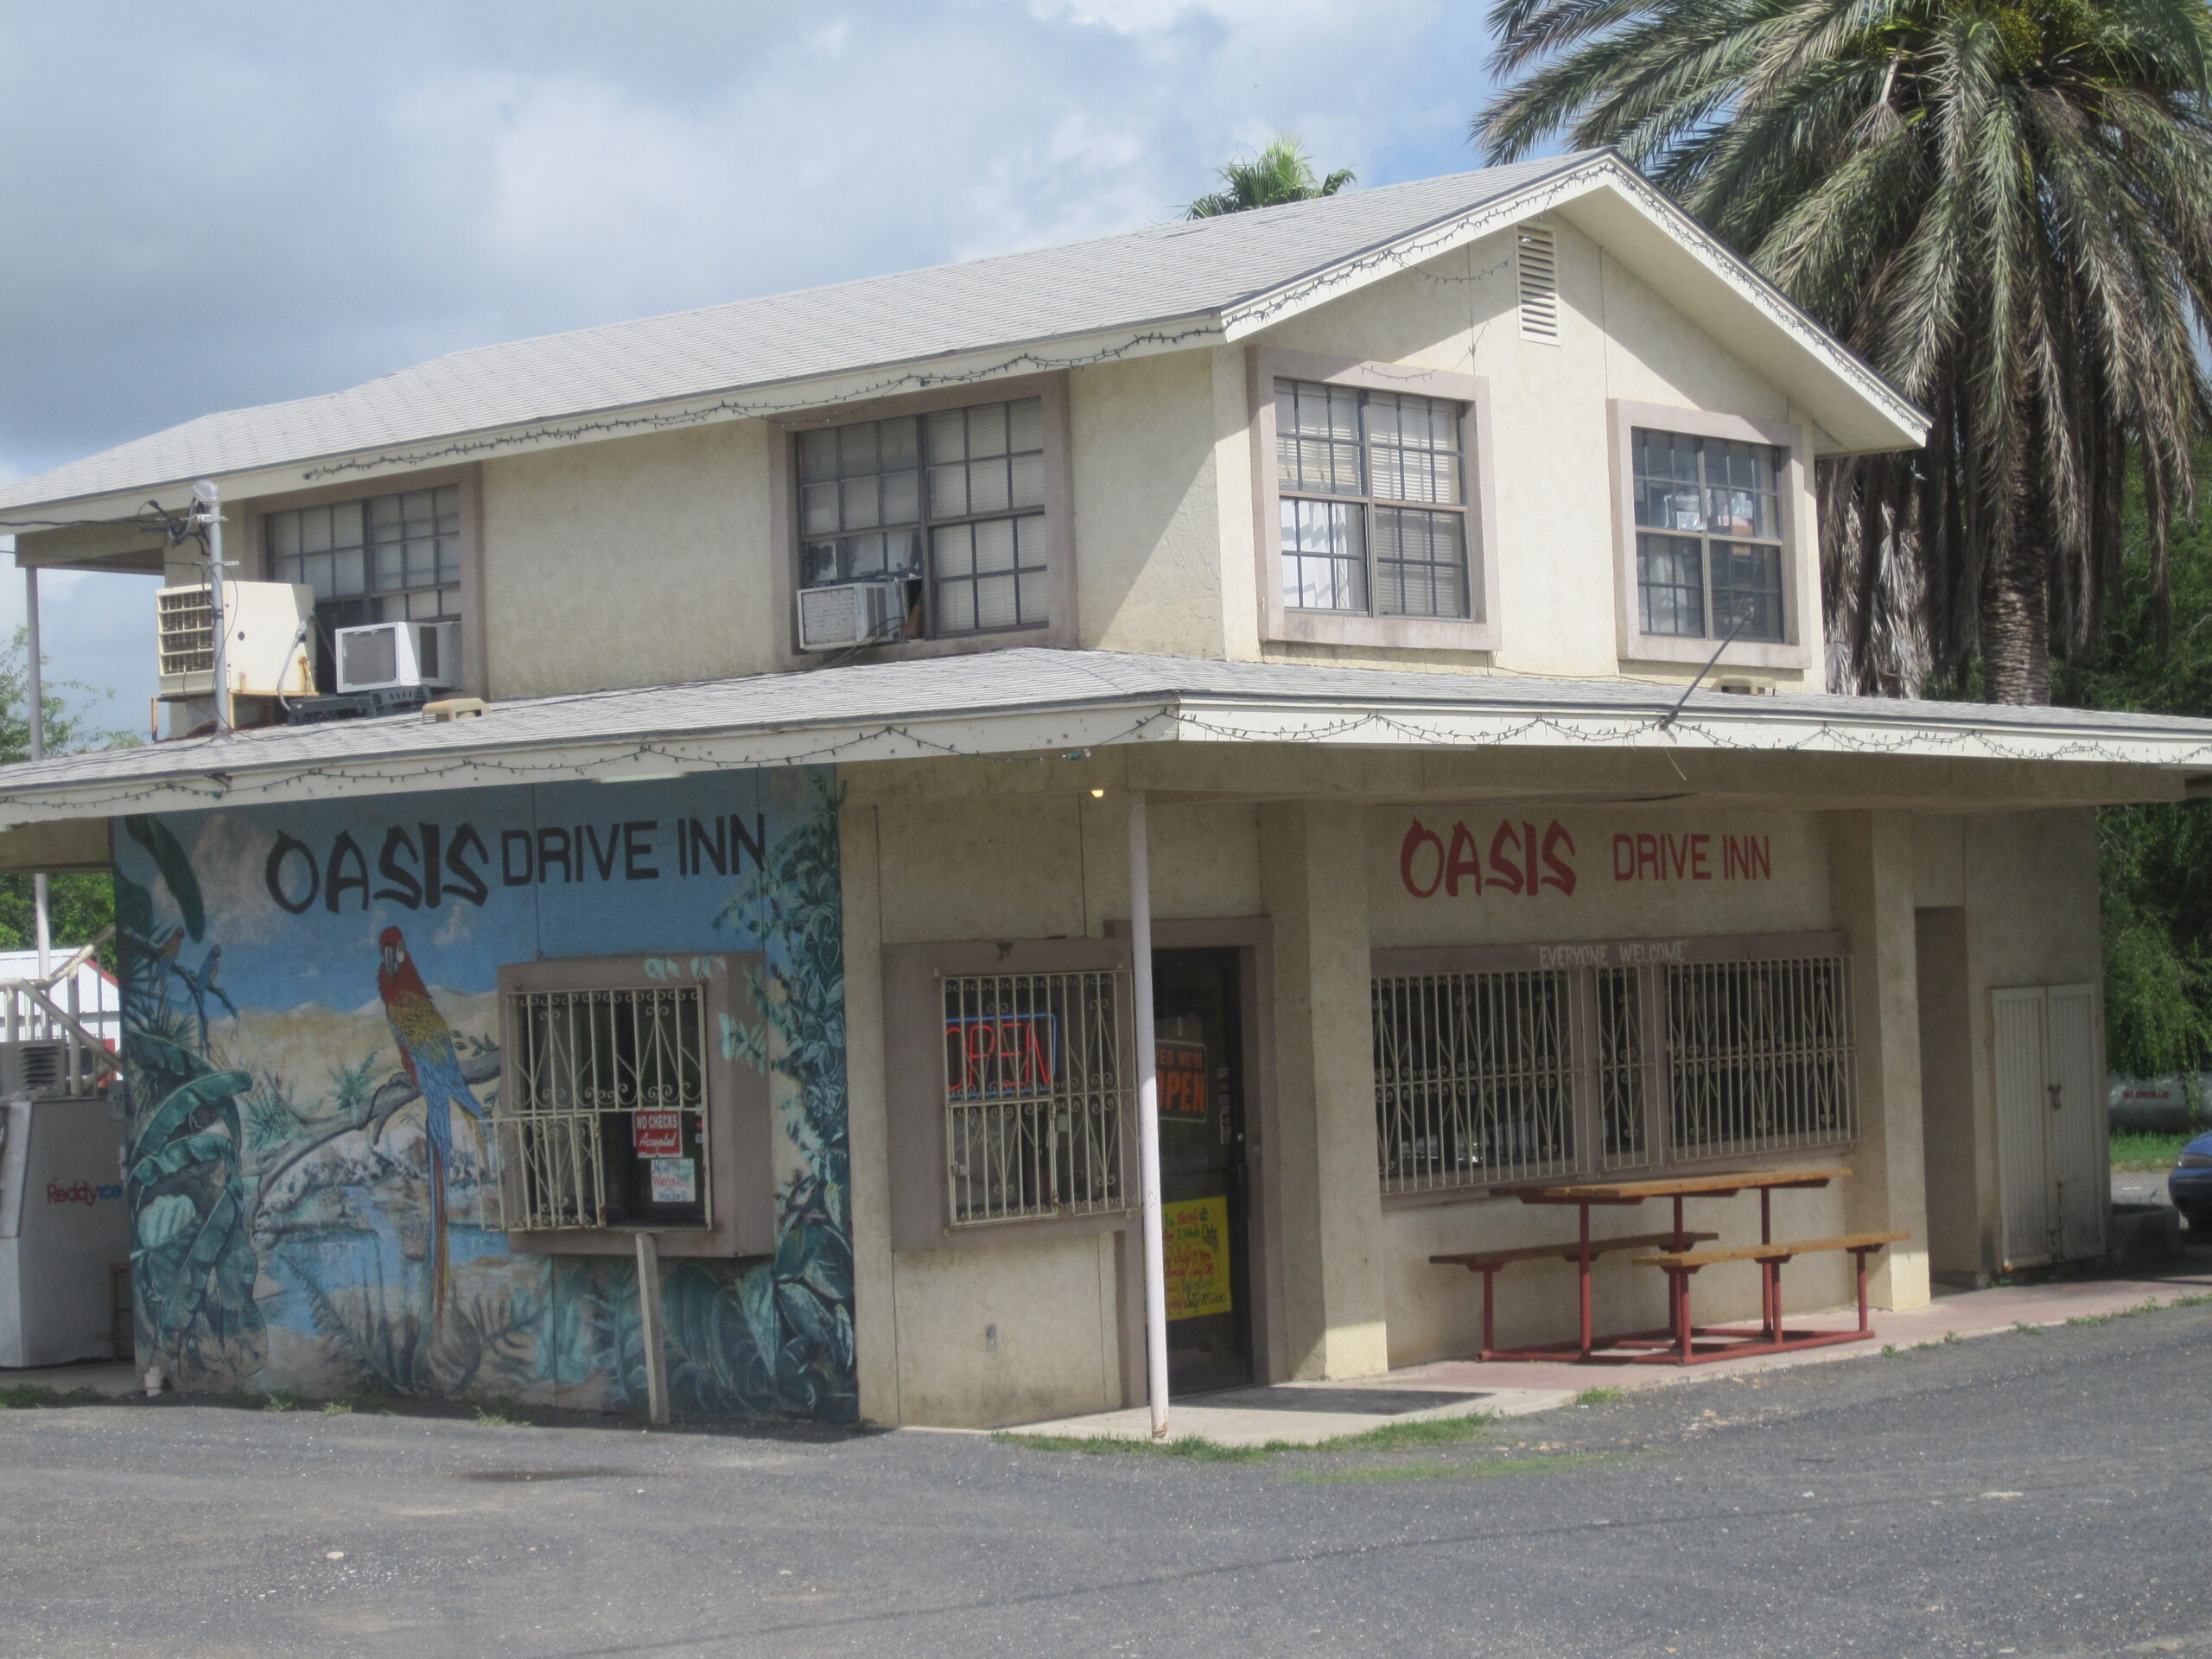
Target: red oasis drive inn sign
<point>1517,857</point>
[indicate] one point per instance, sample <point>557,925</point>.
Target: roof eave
<point>1601,194</point>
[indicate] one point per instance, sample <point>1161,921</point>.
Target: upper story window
<point>1374,502</point>
<point>386,559</point>
<point>948,507</point>
<point>1708,535</point>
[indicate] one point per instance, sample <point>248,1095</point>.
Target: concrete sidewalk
<point>1307,1414</point>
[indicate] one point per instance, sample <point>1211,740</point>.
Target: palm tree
<point>1278,173</point>
<point>2005,205</point>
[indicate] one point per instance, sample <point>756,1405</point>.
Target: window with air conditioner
<point>380,559</point>
<point>924,526</point>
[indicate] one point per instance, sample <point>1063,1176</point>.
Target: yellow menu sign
<point>1196,1234</point>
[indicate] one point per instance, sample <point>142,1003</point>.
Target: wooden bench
<point>1772,1337</point>
<point>1487,1262</point>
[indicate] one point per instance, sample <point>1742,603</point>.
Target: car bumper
<point>2191,1191</point>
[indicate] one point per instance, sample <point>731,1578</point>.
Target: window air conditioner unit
<point>385,656</point>
<point>851,613</point>
<point>269,644</point>
<point>1742,686</point>
<point>40,1067</point>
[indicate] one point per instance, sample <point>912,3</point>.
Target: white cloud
<point>234,203</point>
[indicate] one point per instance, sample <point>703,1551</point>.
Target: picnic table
<point>1674,1252</point>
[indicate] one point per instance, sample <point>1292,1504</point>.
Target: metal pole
<point>1155,1271</point>
<point>649,1330</point>
<point>36,695</point>
<point>211,514</point>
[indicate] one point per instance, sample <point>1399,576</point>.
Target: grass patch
<point>1598,1397</point>
<point>30,1396</point>
<point>1403,1437</point>
<point>281,1400</point>
<point>2139,1153</point>
<point>1194,1448</point>
<point>2026,1330</point>
<point>337,1407</point>
<point>1475,1469</point>
<point>491,1418</point>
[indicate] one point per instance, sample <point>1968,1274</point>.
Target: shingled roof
<point>1180,283</point>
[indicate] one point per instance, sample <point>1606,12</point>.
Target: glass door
<point>1204,1192</point>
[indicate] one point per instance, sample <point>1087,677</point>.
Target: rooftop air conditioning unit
<point>851,613</point>
<point>267,652</point>
<point>386,656</point>
<point>35,1068</point>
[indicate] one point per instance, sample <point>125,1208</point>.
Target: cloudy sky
<point>218,205</point>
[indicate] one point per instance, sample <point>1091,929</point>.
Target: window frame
<point>1657,1156</point>
<point>1278,623</point>
<point>1800,575</point>
<point>259,565</point>
<point>1057,519</point>
<point>740,1163</point>
<point>914,1071</point>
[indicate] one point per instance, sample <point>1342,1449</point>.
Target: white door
<point>2023,1183</point>
<point>2053,1182</point>
<point>2079,1159</point>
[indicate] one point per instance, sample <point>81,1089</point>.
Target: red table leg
<point>1864,1328</point>
<point>1681,1278</point>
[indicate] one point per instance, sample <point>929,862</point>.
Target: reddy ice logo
<point>81,1192</point>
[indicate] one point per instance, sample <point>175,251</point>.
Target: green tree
<point>1278,173</point>
<point>2005,205</point>
<point>79,902</point>
<point>2156,861</point>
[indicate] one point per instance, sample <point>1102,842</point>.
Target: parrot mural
<point>426,1050</point>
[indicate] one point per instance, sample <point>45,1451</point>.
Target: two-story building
<point>779,902</point>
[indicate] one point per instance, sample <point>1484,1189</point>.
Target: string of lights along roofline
<point>471,770</point>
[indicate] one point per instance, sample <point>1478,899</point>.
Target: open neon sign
<point>1002,1054</point>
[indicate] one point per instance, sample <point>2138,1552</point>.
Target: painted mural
<point>312,1047</point>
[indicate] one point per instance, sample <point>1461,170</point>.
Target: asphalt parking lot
<point>2030,1494</point>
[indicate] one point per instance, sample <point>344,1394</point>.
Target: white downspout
<point>1155,1271</point>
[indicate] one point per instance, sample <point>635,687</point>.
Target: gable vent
<point>1538,269</point>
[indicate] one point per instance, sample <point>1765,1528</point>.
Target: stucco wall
<point>637,562</point>
<point>1012,865</point>
<point>1551,464</point>
<point>2030,882</point>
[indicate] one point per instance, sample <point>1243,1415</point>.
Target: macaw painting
<point>312,1049</point>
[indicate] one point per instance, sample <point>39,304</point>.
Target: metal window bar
<point>1758,1056</point>
<point>586,1061</point>
<point>1622,1097</point>
<point>1037,1095</point>
<point>1474,1078</point>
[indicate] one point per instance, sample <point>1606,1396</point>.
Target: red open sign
<point>1182,1071</point>
<point>1002,1054</point>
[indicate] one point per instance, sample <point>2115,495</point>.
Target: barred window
<point>384,558</point>
<point>1708,539</point>
<point>1473,1078</point>
<point>1518,1073</point>
<point>604,1113</point>
<point>1373,501</point>
<point>1758,1055</point>
<point>951,505</point>
<point>1037,1095</point>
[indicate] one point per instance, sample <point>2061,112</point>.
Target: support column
<point>875,1310</point>
<point>1871,883</point>
<point>1313,876</point>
